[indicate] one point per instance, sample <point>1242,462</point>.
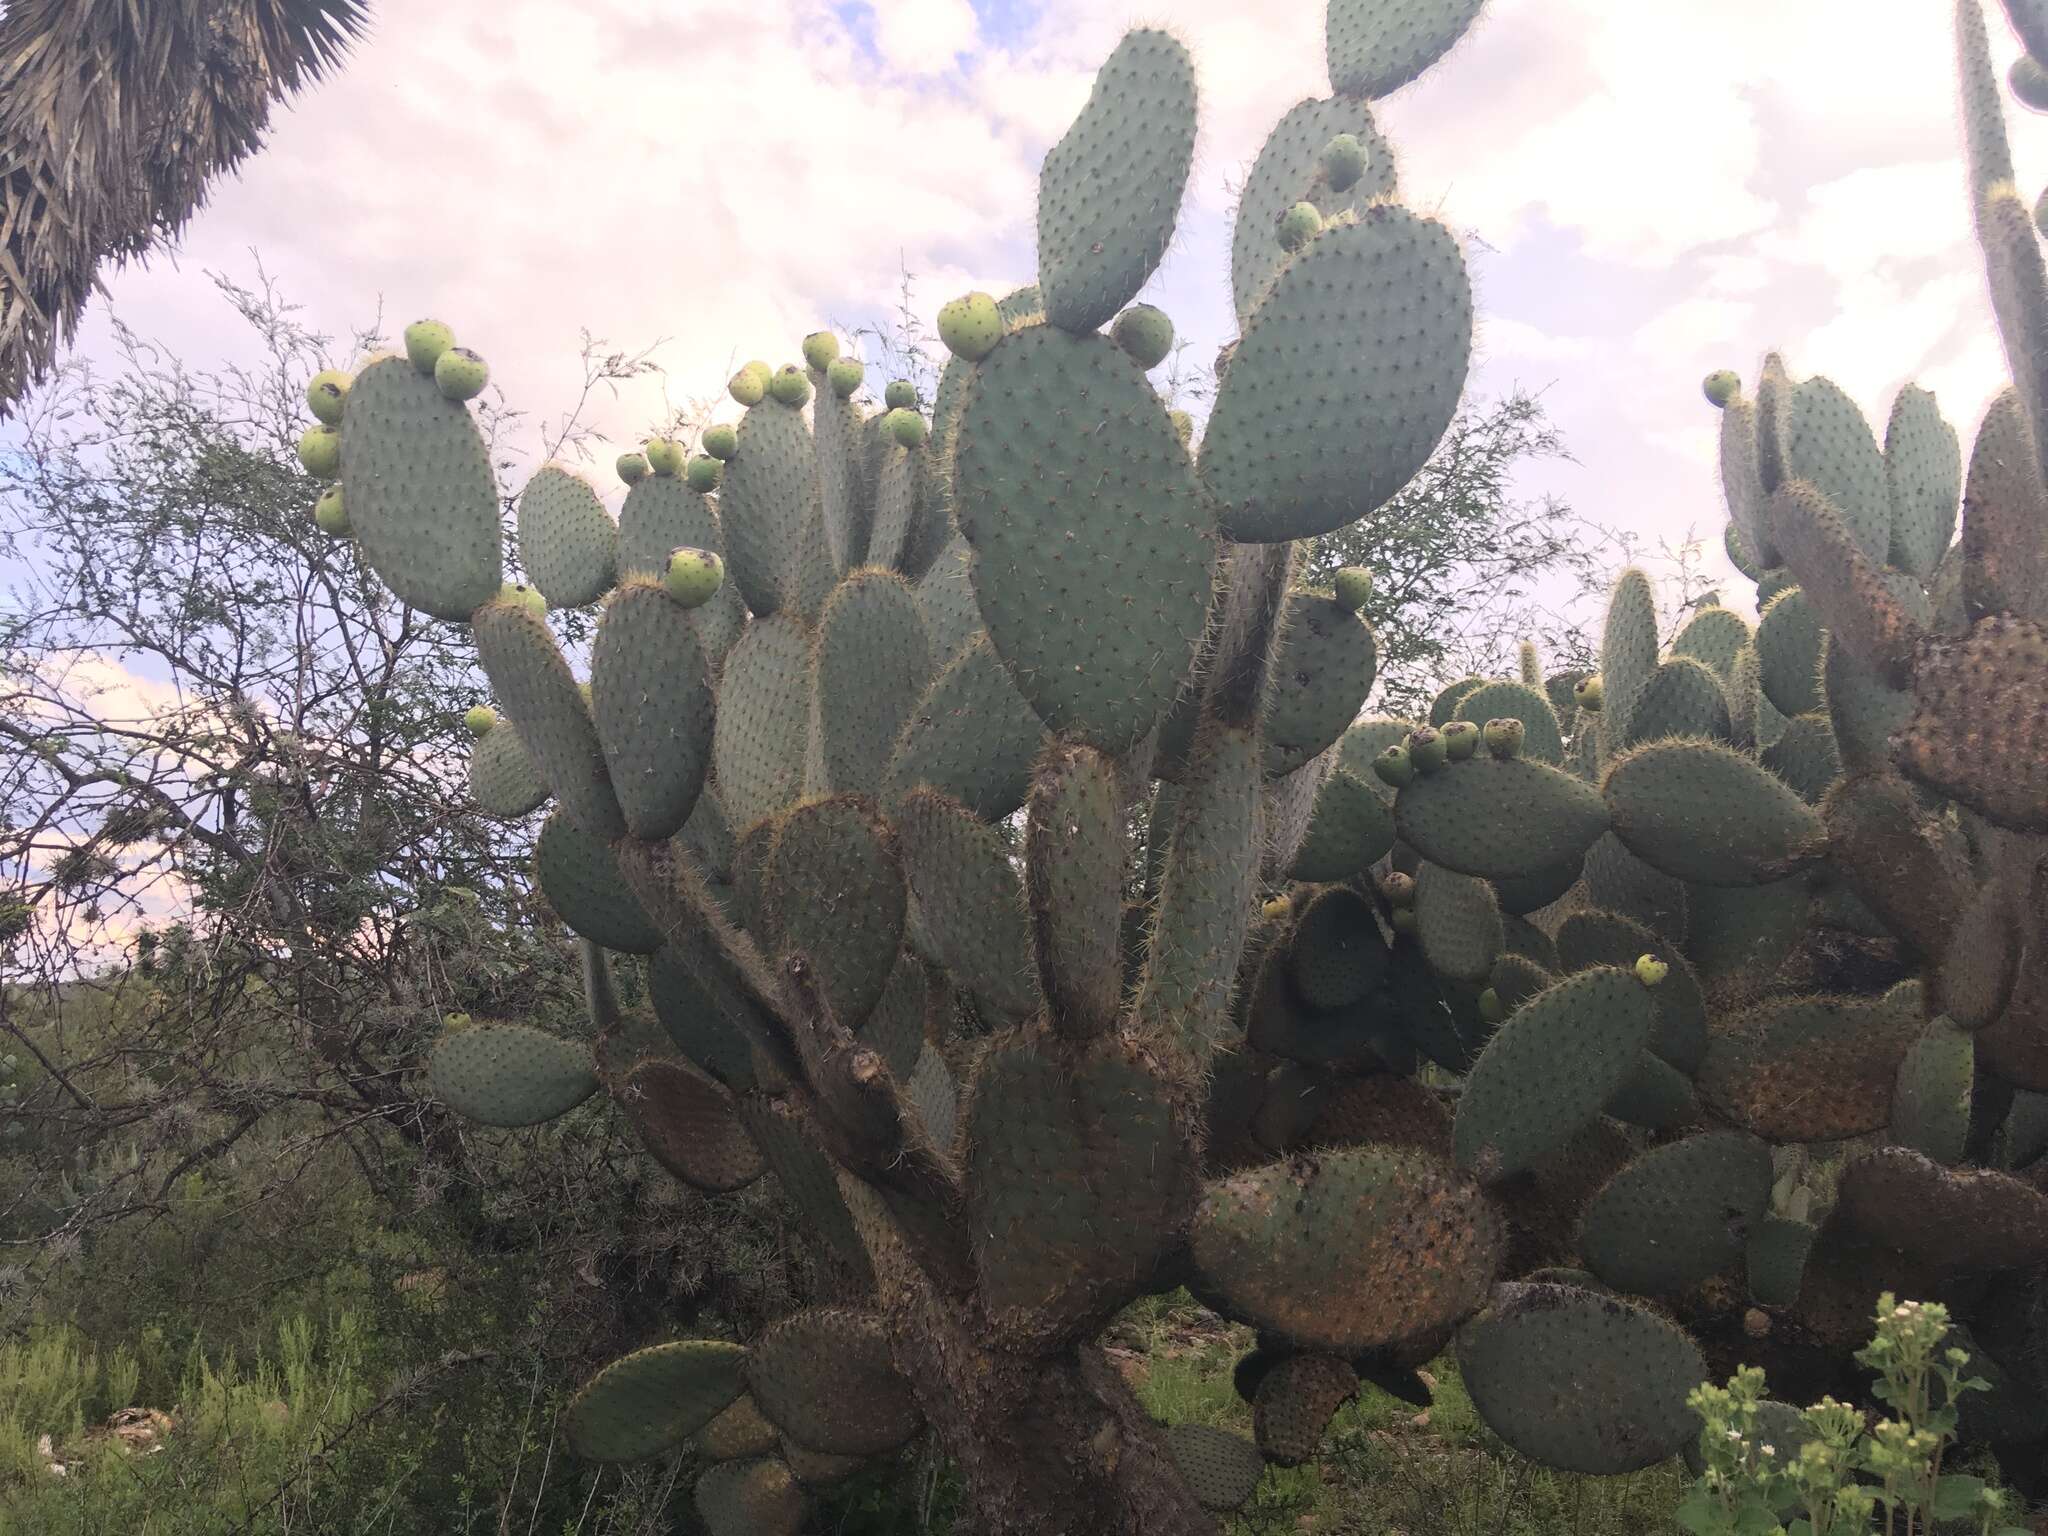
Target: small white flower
<point>1767,1450</point>
<point>1735,1434</point>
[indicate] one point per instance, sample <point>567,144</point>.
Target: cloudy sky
<point>1651,188</point>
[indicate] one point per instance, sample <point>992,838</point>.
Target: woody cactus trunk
<point>1017,884</point>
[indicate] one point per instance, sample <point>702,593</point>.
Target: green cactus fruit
<point>1354,1248</point>
<point>905,427</point>
<point>900,395</point>
<point>633,467</point>
<point>526,599</point>
<point>1222,1469</point>
<point>327,395</point>
<point>320,452</point>
<point>1461,740</point>
<point>750,385</point>
<point>425,341</point>
<point>1721,387</point>
<point>845,374</point>
<point>1651,971</point>
<point>820,349</point>
<point>703,473</point>
<point>1550,1071</point>
<point>1183,426</point>
<point>721,441</point>
<point>1397,889</point>
<point>1289,169</point>
<point>970,325</point>
<point>479,719</point>
<point>1145,333</point>
<point>330,516</point>
<point>1395,766</point>
<point>788,386</point>
<point>1374,47</point>
<point>1581,1381</point>
<point>653,1400</point>
<point>509,1075</point>
<point>1504,737</point>
<point>1299,225</point>
<point>1276,909</point>
<point>461,374</point>
<point>1110,191</point>
<point>1590,694</point>
<point>1342,162</point>
<point>1428,751</point>
<point>1352,587</point>
<point>664,456</point>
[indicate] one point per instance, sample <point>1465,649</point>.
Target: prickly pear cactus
<point>1379,1036</point>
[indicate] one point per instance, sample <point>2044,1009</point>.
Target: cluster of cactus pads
<point>1017,885</point>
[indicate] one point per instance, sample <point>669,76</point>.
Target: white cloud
<point>923,37</point>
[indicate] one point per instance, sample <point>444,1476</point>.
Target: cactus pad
<point>1679,1214</point>
<point>1457,919</point>
<point>1579,1381</point>
<point>1323,666</point>
<point>1830,444</point>
<point>653,1400</point>
<point>833,891</point>
<point>1348,830</point>
<point>761,739</point>
<point>1550,1070</point>
<point>1222,1469</point>
<point>1965,1220</point>
<point>1923,472</point>
<point>1375,47</point>
<point>567,541</point>
<point>581,880</point>
<point>695,1021</point>
<point>1074,871</point>
<point>1337,956</point>
<point>825,1379</point>
<point>508,1075</point>
<point>736,1434</point>
<point>538,691</point>
<point>1294,1403</point>
<point>650,698</point>
<point>1068,476</point>
<point>1628,652</point>
<point>1286,173</point>
<point>1808,1068</point>
<point>1788,644</point>
<point>970,901</point>
<point>1348,1250</point>
<point>1714,637</point>
<point>1110,191</point>
<point>1592,937</point>
<point>1504,700</point>
<point>1682,698</point>
<point>687,1122</point>
<point>1078,1174</point>
<point>422,504</point>
<point>1979,732</point>
<point>873,665</point>
<point>750,1498</point>
<point>971,736</point>
<point>1931,1103</point>
<point>1344,380</point>
<point>502,777</point>
<point>1499,818</point>
<point>1706,814</point>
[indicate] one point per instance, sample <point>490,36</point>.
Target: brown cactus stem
<point>1250,611</point>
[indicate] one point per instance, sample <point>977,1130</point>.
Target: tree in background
<point>114,117</point>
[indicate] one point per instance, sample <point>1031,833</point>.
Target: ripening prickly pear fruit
<point>1342,162</point>
<point>1276,909</point>
<point>1505,735</point>
<point>1650,970</point>
<point>693,576</point>
<point>425,341</point>
<point>844,375</point>
<point>1183,426</point>
<point>664,455</point>
<point>633,468</point>
<point>1395,766</point>
<point>480,719</point>
<point>1299,225</point>
<point>970,326</point>
<point>703,473</point>
<point>1427,749</point>
<point>901,395</point>
<point>521,595</point>
<point>1490,1008</point>
<point>820,347</point>
<point>750,385</point>
<point>1145,334</point>
<point>329,515</point>
<point>906,427</point>
<point>461,374</point>
<point>1353,587</point>
<point>326,394</point>
<point>320,452</point>
<point>1402,920</point>
<point>1397,890</point>
<point>1589,693</point>
<point>789,386</point>
<point>1721,387</point>
<point>1461,740</point>
<point>721,441</point>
